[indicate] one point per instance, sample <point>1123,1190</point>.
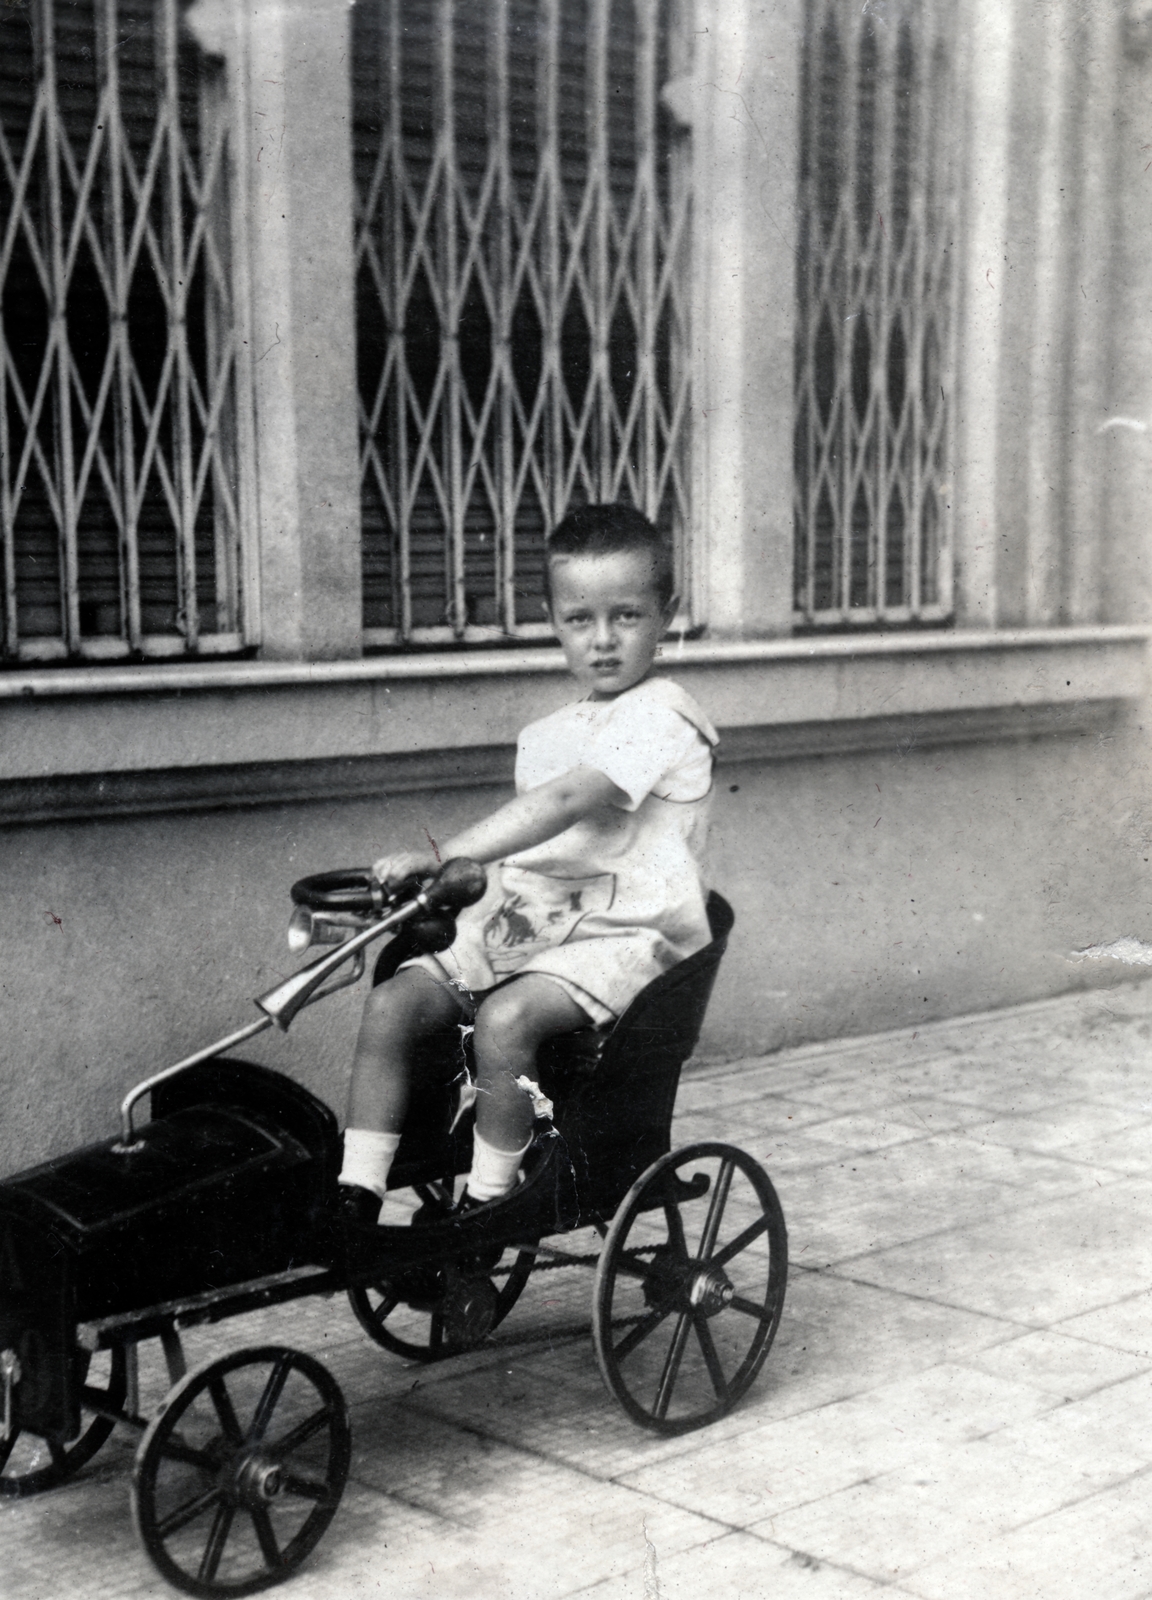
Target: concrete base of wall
<point>872,890</point>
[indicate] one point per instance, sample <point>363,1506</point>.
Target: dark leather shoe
<point>359,1208</point>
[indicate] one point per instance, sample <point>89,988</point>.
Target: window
<point>122,398</point>
<point>876,320</point>
<point>521,250</point>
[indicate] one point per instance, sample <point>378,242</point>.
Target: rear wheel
<point>690,1287</point>
<point>30,1463</point>
<point>427,1313</point>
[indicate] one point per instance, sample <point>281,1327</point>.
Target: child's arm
<point>528,820</point>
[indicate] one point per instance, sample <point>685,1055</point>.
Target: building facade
<point>315,317</point>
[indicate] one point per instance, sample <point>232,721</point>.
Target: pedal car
<point>226,1201</point>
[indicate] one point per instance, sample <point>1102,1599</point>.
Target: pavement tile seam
<point>1100,1493</point>
<point>408,1502</point>
<point>1101,1496</point>
<point>536,1452</point>
<point>808,1558</point>
<point>1084,1394</point>
<point>1058,1008</point>
<point>653,1588</point>
<point>833,1271</point>
<point>974,1224</point>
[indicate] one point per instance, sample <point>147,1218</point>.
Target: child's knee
<point>383,1009</point>
<point>507,1022</point>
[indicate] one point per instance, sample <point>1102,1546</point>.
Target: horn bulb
<point>459,883</point>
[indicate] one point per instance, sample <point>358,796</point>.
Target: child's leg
<point>511,1025</point>
<point>397,1015</point>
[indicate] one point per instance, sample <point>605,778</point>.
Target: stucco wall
<point>871,891</point>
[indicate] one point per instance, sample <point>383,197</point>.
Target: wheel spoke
<point>188,1512</point>
<point>716,1207</point>
<point>751,1309</point>
<point>638,1334</point>
<point>630,1264</point>
<point>225,1410</point>
<point>217,1539</point>
<point>676,1229</point>
<point>262,1522</point>
<point>386,1307</point>
<point>711,1358</point>
<point>273,1389</point>
<point>303,1431</point>
<point>307,1488</point>
<point>672,1366</point>
<point>7,1446</point>
<point>741,1241</point>
<point>56,1451</point>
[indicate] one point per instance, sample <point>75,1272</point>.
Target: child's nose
<point>605,633</point>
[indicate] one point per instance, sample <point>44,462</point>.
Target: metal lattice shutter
<point>522,295</point>
<point>119,502</point>
<point>875,314</point>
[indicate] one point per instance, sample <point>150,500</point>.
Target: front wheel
<point>242,1471</point>
<point>690,1287</point>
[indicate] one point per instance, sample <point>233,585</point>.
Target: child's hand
<point>391,871</point>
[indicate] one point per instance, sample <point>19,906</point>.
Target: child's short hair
<point>608,530</point>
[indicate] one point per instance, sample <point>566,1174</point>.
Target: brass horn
<point>459,883</point>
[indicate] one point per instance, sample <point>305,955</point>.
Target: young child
<point>597,888</point>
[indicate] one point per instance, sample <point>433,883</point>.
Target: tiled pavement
<point>959,1403</point>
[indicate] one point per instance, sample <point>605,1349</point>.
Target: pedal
<point>468,1311</point>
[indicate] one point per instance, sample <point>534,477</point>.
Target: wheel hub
<point>258,1480</point>
<point>711,1290</point>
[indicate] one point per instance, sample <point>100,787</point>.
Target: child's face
<point>608,617</point>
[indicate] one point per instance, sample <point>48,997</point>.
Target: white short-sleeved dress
<point>617,899</point>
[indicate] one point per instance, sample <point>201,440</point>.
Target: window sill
<point>172,737</point>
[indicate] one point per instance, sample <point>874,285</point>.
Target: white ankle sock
<point>493,1171</point>
<point>368,1158</point>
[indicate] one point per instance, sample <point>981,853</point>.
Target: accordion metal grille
<point>875,328</point>
<point>120,383</point>
<point>521,248</point>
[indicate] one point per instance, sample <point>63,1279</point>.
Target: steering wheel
<point>351,889</point>
<point>458,883</point>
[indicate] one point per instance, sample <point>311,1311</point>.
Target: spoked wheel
<point>30,1463</point>
<point>432,1312</point>
<point>690,1287</point>
<point>240,1474</point>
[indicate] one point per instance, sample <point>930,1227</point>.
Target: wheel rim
<point>690,1287</point>
<point>457,1311</point>
<point>31,1463</point>
<point>242,1471</point>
